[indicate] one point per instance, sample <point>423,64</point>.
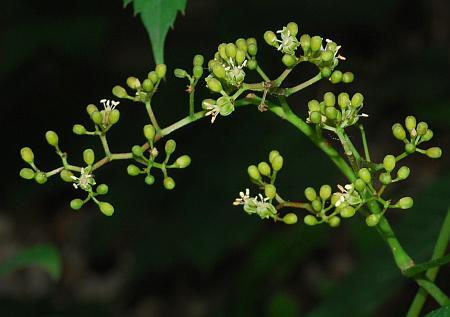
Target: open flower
<point>234,74</point>
<point>288,42</point>
<point>85,181</point>
<point>348,195</point>
<point>256,205</point>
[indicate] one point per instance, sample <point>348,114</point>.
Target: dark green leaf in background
<point>441,312</point>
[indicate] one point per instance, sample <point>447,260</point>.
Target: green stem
<point>431,274</point>
<point>293,90</point>
<point>277,82</point>
<point>364,141</point>
<point>151,115</point>
<point>434,291</point>
<point>191,101</point>
<point>105,144</point>
<point>262,74</point>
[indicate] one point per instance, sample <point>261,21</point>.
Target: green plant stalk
<point>364,142</point>
<point>439,250</point>
<point>105,144</point>
<point>293,90</point>
<point>151,115</point>
<point>434,291</point>
<point>191,101</point>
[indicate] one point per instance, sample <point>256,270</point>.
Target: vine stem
<point>151,115</point>
<point>293,90</point>
<point>364,142</point>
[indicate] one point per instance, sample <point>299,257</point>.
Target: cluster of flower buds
<point>326,58</point>
<point>417,133</point>
<point>197,72</point>
<point>333,112</point>
<point>143,91</point>
<point>103,119</point>
<point>148,159</point>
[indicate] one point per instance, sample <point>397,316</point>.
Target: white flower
<point>109,105</point>
<point>213,111</point>
<point>234,73</point>
<point>348,194</point>
<point>256,205</point>
<point>288,43</point>
<point>85,181</point>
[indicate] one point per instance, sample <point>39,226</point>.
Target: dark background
<point>189,252</point>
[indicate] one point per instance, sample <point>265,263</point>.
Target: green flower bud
<point>106,208</point>
<point>334,198</point>
<point>102,189</point>
<point>410,148</point>
<point>79,129</point>
<point>91,108</point>
<point>76,204</point>
<point>197,71</point>
<point>316,205</point>
<point>218,71</point>
<point>372,220</point>
<point>88,156</point>
<point>331,113</point>
<point>169,183</point>
<point>313,105</point>
<point>137,151</point>
<point>153,76</point>
<point>347,212</point>
<point>147,85</point>
<point>183,161</point>
<point>315,117</point>
<point>389,162</point>
<point>336,77</point>
<point>66,176</point>
<point>310,220</point>
<point>325,192</point>
<point>405,202</point>
<point>270,191</point>
<point>316,43</point>
<point>422,128</point>
<point>329,99</point>
<point>149,179</point>
<point>161,70</point>
<point>277,163</point>
<point>253,172</point>
<point>289,60</point>
<point>114,116</point>
<point>334,221</point>
<point>427,136</point>
<point>170,146</point>
<point>348,77</point>
<point>327,55</point>
<point>325,72</point>
<point>27,155</point>
<point>198,60</point>
<point>251,40</point>
<point>398,131</point>
<point>365,175</point>
<point>252,64</point>
<point>97,117</point>
<point>221,49</point>
<point>133,82</point>
<point>27,173</point>
<point>359,184</point>
<point>270,38</point>
<point>343,100</point>
<point>214,85</point>
<point>305,42</point>
<point>133,170</point>
<point>410,123</point>
<point>290,218</point>
<point>293,28</point>
<point>40,178</point>
<point>357,100</point>
<point>385,178</point>
<point>252,49</point>
<point>230,50</point>
<point>149,132</point>
<point>264,168</point>
<point>403,172</point>
<point>119,91</point>
<point>240,56</point>
<point>179,73</point>
<point>310,193</point>
<point>434,152</point>
<point>242,44</point>
<point>272,155</point>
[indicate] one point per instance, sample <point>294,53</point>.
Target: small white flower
<point>256,205</point>
<point>288,43</point>
<point>85,181</point>
<point>348,194</point>
<point>109,105</point>
<point>234,73</point>
<point>213,111</point>
<point>243,197</point>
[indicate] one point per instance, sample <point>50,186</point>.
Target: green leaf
<point>422,267</point>
<point>44,256</point>
<point>158,16</point>
<point>441,312</point>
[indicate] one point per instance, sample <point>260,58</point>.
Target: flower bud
<point>330,99</point>
<point>325,192</point>
<point>137,151</point>
<point>410,148</point>
<point>365,175</point>
<point>270,191</point>
<point>385,178</point>
<point>422,128</point>
<point>434,152</point>
<point>119,91</point>
<point>133,82</point>
<point>348,77</point>
<point>252,49</point>
<point>198,60</point>
<point>405,202</point>
<point>133,170</point>
<point>97,117</point>
<point>251,40</point>
<point>372,220</point>
<point>114,116</point>
<point>214,85</point>
<point>79,129</point>
<point>335,198</point>
<point>161,70</point>
<point>326,55</point>
<point>221,49</point>
<point>252,64</point>
<point>253,172</point>
<point>331,113</point>
<point>264,168</point>
<point>313,105</point>
<point>197,71</point>
<point>359,184</point>
<point>230,50</point>
<point>153,76</point>
<point>270,38</point>
<point>27,173</point>
<point>336,77</point>
<point>183,161</point>
<point>149,179</point>
<point>169,183</point>
<point>149,132</point>
<point>272,155</point>
<point>170,146</point>
<point>325,72</point>
<point>106,208</point>
<point>179,73</point>
<point>91,108</point>
<point>102,189</point>
<point>310,193</point>
<point>76,204</point>
<point>316,205</point>
<point>240,56</point>
<point>27,155</point>
<point>315,117</point>
<point>52,138</point>
<point>347,212</point>
<point>289,60</point>
<point>88,156</point>
<point>40,178</point>
<point>410,123</point>
<point>316,43</point>
<point>218,71</point>
<point>398,131</point>
<point>403,172</point>
<point>293,28</point>
<point>357,100</point>
<point>389,162</point>
<point>310,220</point>
<point>427,136</point>
<point>147,85</point>
<point>242,44</point>
<point>290,218</point>
<point>66,176</point>
<point>334,221</point>
<point>343,100</point>
<point>277,163</point>
<point>305,42</point>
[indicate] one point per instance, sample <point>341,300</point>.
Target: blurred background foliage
<point>189,252</point>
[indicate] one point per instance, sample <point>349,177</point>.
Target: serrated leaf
<point>441,312</point>
<point>158,16</point>
<point>44,256</point>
